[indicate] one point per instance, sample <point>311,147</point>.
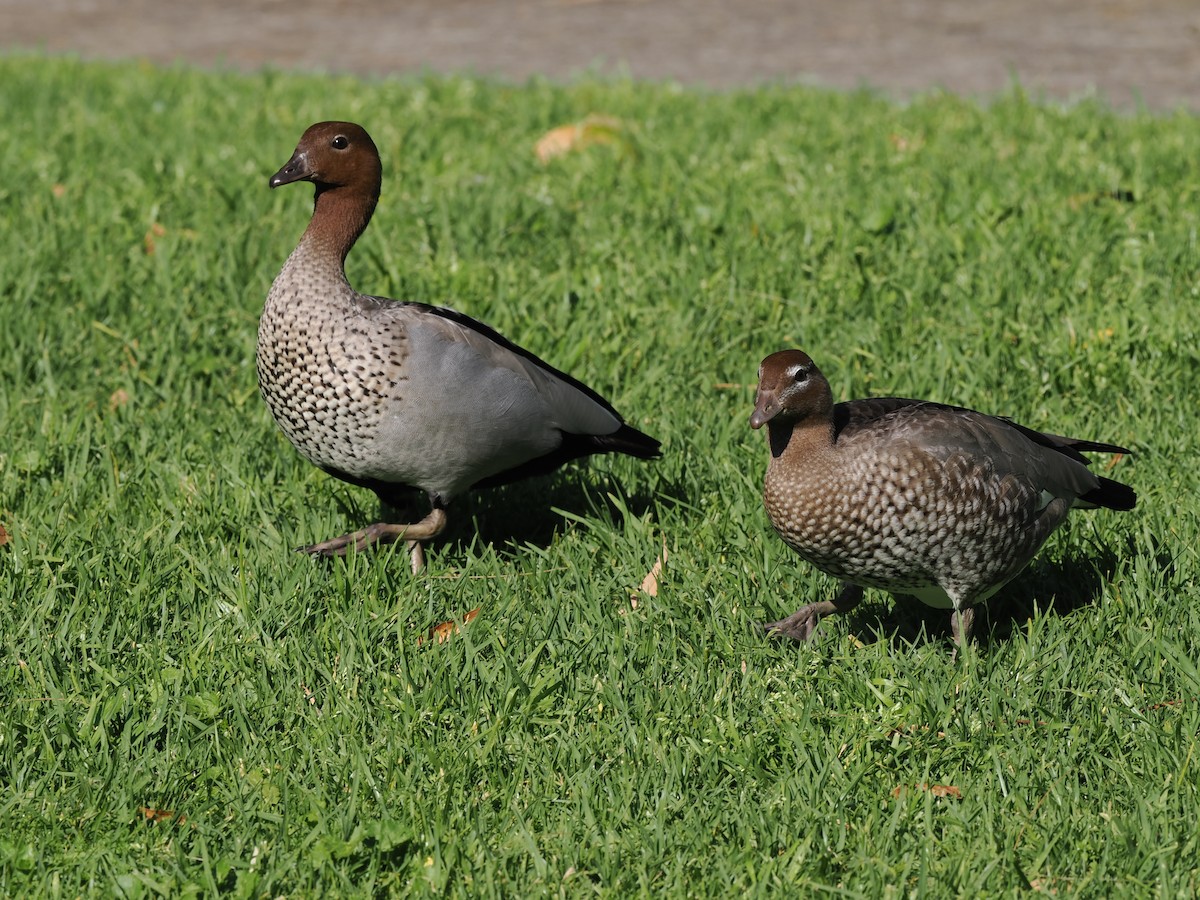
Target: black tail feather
<point>1111,495</point>
<point>1068,446</point>
<point>625,439</point>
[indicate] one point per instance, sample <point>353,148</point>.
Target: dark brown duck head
<point>334,155</point>
<point>342,162</point>
<point>791,389</point>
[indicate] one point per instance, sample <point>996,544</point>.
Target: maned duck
<point>938,502</point>
<point>401,396</point>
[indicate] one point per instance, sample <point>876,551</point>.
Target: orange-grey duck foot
<point>384,533</point>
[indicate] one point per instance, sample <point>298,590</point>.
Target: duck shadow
<point>528,512</point>
<point>1045,588</point>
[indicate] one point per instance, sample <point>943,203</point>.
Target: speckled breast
<point>325,392</point>
<point>905,523</point>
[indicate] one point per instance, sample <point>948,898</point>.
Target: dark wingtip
<point>628,439</point>
<point>1112,495</point>
<point>1096,446</point>
<point>625,439</point>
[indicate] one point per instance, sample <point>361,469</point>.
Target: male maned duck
<point>398,396</point>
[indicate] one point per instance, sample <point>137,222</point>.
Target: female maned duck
<point>912,497</point>
<point>400,396</point>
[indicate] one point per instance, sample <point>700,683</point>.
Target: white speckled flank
<point>942,503</point>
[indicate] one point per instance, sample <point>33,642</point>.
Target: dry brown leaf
<point>118,399</point>
<point>154,816</point>
<point>59,190</point>
<point>938,790</point>
<point>444,631</point>
<point>1168,705</point>
<point>649,585</point>
<point>556,142</point>
<point>158,230</point>
<point>309,695</point>
<point>1116,458</point>
<point>594,129</point>
<point>155,231</point>
<point>904,144</point>
<point>4,538</point>
<point>945,790</point>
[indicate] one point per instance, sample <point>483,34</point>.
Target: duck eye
<point>799,374</point>
<point>340,142</point>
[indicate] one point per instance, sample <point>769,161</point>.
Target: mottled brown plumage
<point>912,497</point>
<point>401,396</point>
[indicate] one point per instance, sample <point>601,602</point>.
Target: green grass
<point>164,649</point>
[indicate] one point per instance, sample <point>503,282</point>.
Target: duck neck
<point>794,438</point>
<point>340,216</point>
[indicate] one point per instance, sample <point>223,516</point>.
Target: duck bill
<point>296,169</point>
<point>765,409</point>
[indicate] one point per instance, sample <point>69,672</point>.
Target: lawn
<point>189,707</point>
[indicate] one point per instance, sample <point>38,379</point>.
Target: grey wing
<point>534,388</point>
<point>1009,449</point>
<point>570,408</point>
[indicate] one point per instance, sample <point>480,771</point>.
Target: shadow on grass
<point>515,515</point>
<point>524,513</point>
<point>1046,588</point>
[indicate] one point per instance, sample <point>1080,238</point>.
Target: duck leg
<point>384,533</point>
<point>961,621</point>
<point>802,624</point>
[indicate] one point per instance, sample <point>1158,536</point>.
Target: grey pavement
<point>1129,52</point>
